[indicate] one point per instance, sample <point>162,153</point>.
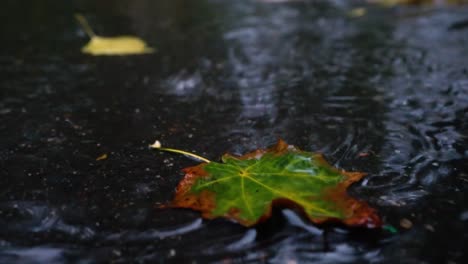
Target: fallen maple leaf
<point>120,45</point>
<point>245,188</point>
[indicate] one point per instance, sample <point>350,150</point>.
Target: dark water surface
<point>229,76</point>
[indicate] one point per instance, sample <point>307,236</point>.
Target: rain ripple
<point>31,217</point>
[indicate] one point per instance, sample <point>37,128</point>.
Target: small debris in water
<point>172,253</point>
<point>102,157</point>
<point>156,144</point>
<point>406,223</point>
<point>429,227</point>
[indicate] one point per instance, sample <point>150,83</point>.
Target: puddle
<point>385,93</point>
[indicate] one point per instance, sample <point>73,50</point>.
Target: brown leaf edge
<point>359,213</point>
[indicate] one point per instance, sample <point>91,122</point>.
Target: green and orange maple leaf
<point>245,188</point>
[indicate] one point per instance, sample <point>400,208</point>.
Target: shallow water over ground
<point>385,93</point>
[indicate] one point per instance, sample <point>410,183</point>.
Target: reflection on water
<point>34,255</point>
<point>386,93</point>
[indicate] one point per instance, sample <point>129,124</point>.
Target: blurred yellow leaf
<point>121,45</point>
<point>357,12</point>
<point>112,46</point>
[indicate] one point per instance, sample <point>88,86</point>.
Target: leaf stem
<point>157,145</point>
<point>84,24</point>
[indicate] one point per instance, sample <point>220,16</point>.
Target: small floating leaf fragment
<point>406,223</point>
<point>112,46</point>
<point>102,157</point>
<point>244,189</point>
